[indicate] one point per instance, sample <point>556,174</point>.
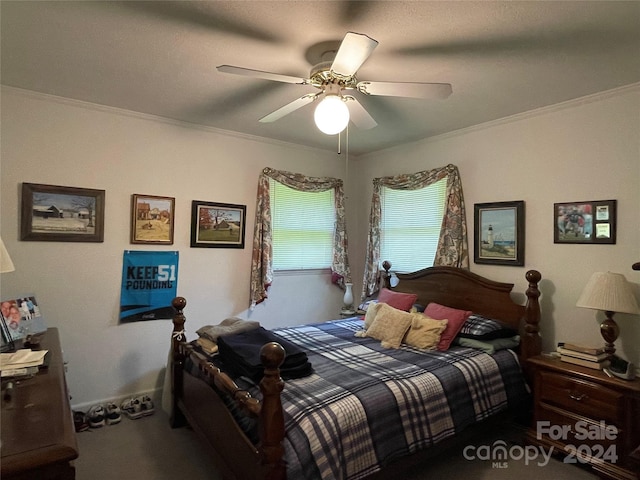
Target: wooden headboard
<point>459,288</point>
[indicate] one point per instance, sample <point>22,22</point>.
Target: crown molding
<point>148,117</point>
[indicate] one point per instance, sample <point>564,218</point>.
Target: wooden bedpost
<point>177,360</point>
<point>271,416</point>
<point>386,275</point>
<point>531,344</point>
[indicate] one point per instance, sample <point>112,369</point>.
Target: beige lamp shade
<point>6,265</point>
<point>609,292</point>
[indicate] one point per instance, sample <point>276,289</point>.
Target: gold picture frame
<point>152,219</point>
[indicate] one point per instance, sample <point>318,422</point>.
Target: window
<point>302,225</point>
<point>410,225</point>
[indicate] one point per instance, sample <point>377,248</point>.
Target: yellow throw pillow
<point>425,332</point>
<point>372,311</point>
<point>389,326</point>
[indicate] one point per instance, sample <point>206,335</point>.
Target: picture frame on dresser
<point>499,233</point>
<point>54,213</point>
<point>587,222</point>
<point>6,341</point>
<point>152,219</point>
<point>22,317</point>
<point>218,225</point>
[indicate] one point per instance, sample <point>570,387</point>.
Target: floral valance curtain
<point>261,260</point>
<point>452,247</point>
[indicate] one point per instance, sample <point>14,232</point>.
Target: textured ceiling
<point>159,58</point>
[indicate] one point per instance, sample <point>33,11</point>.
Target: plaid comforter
<point>364,406</point>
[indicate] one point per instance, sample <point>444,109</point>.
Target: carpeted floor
<point>148,449</point>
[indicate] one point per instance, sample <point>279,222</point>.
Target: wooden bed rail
<point>268,411</point>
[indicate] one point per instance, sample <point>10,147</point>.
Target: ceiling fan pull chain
<point>346,163</point>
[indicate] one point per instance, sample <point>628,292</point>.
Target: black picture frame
<point>53,213</point>
<point>499,233</point>
<point>590,222</point>
<point>6,341</point>
<point>217,225</point>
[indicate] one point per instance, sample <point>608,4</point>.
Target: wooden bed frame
<point>195,403</point>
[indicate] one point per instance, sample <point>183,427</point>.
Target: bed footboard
<point>236,455</point>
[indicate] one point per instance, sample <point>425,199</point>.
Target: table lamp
<point>611,293</point>
<point>6,265</point>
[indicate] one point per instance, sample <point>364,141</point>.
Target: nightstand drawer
<point>569,429</point>
<point>578,396</point>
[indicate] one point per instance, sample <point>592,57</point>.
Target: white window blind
<point>410,225</point>
<point>302,225</point>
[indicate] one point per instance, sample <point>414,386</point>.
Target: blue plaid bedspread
<point>365,406</point>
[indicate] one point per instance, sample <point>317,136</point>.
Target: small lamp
<point>6,265</point>
<point>348,299</point>
<point>611,293</point>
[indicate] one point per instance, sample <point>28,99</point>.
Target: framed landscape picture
<point>591,222</point>
<point>61,214</point>
<point>152,219</point>
<point>219,225</point>
<point>499,233</point>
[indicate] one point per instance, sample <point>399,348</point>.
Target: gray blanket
<point>228,326</point>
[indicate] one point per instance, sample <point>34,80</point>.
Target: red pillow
<point>401,301</point>
<point>456,321</point>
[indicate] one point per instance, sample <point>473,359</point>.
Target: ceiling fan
<point>334,75</point>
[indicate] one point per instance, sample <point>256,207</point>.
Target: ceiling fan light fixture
<point>331,114</point>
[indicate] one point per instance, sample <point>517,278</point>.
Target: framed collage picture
<point>590,222</point>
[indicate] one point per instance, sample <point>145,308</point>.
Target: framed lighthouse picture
<point>499,233</point>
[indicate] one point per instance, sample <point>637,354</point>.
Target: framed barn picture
<point>61,214</point>
<point>220,225</point>
<point>152,219</point>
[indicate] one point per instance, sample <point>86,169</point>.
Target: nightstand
<point>586,416</point>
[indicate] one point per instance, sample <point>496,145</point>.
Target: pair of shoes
<point>96,416</point>
<point>80,421</point>
<point>138,407</point>
<point>113,415</point>
<point>147,405</point>
<point>132,408</point>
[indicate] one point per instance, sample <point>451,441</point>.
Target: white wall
<point>586,150</point>
<point>54,141</point>
<point>578,151</point>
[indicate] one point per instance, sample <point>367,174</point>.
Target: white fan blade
<point>406,89</point>
<point>354,50</point>
<point>247,72</point>
<point>289,107</point>
<point>359,115</point>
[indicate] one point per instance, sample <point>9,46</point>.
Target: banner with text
<point>149,284</point>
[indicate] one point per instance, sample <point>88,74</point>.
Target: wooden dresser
<point>586,415</point>
<point>38,435</point>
